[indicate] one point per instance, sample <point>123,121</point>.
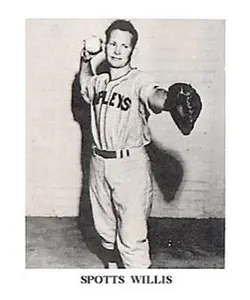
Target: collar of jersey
<point>122,76</point>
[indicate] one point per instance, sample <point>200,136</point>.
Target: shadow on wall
<point>81,114</point>
<point>167,170</point>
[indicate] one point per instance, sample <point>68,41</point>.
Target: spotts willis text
<point>120,279</point>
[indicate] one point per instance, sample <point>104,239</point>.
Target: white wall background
<point>171,50</point>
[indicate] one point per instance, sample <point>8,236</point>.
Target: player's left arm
<point>157,99</point>
<point>181,100</point>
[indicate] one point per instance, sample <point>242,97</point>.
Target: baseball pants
<point>121,198</point>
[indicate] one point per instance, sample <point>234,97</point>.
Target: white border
<point>56,284</point>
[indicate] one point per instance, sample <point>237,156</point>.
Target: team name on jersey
<point>117,100</point>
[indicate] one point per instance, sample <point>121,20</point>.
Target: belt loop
<point>127,152</point>
<point>121,154</point>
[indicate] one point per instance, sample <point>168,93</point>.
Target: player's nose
<point>117,49</point>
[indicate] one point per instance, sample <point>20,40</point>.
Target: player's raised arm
<point>91,56</point>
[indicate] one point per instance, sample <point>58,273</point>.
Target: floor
<point>175,243</point>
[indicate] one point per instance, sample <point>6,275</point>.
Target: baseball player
<point>120,182</point>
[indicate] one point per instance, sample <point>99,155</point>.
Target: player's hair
<point>123,25</point>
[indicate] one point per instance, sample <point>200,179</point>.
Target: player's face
<point>119,48</point>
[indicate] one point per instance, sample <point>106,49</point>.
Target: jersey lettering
<point>100,96</point>
<point>126,104</point>
<point>104,101</point>
<point>118,100</point>
<point>120,97</point>
<point>111,102</point>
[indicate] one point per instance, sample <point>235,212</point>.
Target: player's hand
<point>91,47</point>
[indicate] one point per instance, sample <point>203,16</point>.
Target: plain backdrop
<point>192,51</point>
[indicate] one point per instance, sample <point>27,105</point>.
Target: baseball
<point>93,44</point>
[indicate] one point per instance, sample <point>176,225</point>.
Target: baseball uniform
<point>120,175</point>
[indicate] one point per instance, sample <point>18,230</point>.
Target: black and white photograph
<point>125,143</point>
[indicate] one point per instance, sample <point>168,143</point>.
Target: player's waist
<point>122,153</point>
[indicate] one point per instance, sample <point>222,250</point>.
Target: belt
<point>112,153</point>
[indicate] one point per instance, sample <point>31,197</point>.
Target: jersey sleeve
<point>145,86</point>
<point>93,85</point>
<point>88,88</point>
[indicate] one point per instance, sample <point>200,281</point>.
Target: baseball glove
<point>184,105</point>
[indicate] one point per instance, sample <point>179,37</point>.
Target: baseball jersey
<point>119,109</point>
